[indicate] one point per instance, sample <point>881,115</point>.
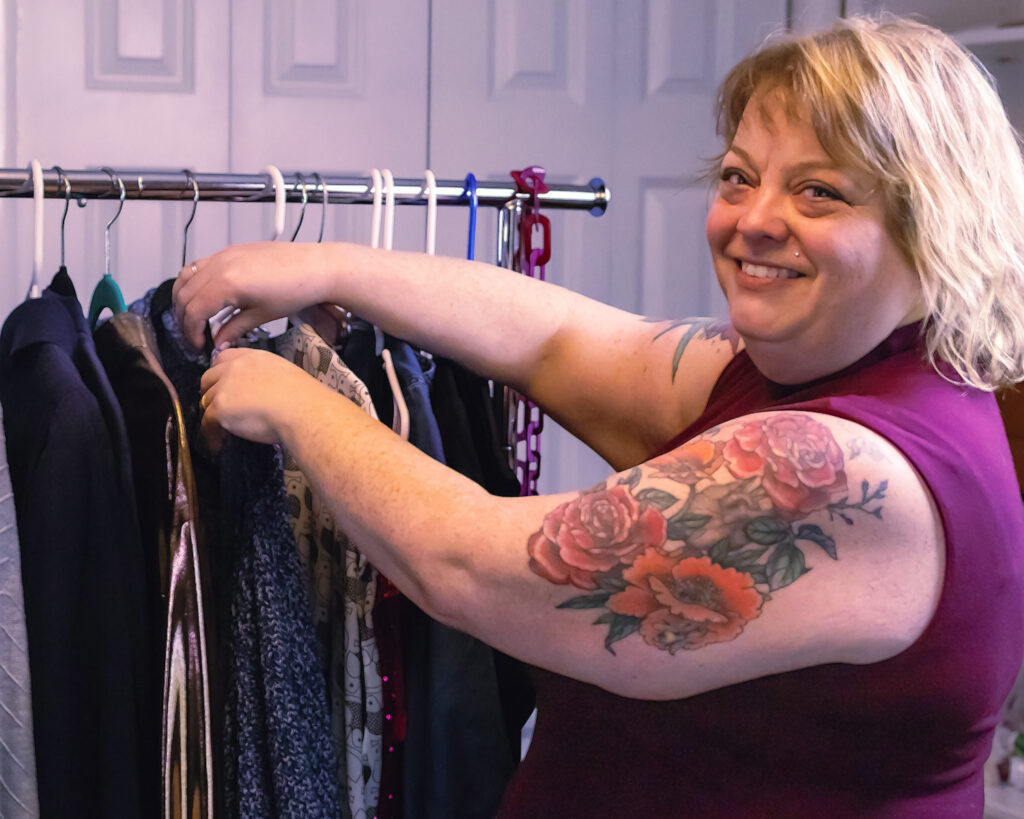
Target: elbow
<point>446,595</point>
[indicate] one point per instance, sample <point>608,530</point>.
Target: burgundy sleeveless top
<point>907,737</point>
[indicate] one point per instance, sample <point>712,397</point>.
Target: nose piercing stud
<point>796,252</point>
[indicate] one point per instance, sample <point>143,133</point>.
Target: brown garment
<point>1011,406</point>
<point>166,493</point>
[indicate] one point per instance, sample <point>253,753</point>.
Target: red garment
<point>387,615</point>
<point>907,737</point>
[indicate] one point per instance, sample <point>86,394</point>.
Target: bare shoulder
<point>688,357</point>
<point>774,542</point>
<point>694,339</point>
<point>627,384</point>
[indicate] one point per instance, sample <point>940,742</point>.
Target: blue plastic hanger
<point>474,201</point>
<point>107,295</point>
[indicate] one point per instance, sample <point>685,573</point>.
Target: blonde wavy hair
<point>904,102</point>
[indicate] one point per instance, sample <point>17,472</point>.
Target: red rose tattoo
<point>686,550</point>
<point>594,533</point>
<point>798,460</point>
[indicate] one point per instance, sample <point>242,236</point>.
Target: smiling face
<point>813,279</point>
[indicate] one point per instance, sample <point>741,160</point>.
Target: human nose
<point>763,216</point>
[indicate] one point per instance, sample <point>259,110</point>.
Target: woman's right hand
<point>263,280</point>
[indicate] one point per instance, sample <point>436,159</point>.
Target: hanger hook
<point>323,201</point>
<point>300,180</point>
<point>64,182</point>
<point>106,231</point>
<point>114,178</point>
<point>190,180</point>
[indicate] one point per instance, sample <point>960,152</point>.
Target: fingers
<point>211,430</point>
<point>239,324</point>
<point>204,289</point>
<point>185,283</point>
<point>195,300</point>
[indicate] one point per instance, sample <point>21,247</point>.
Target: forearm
<point>586,363</point>
<point>409,514</point>
<point>498,323</point>
<point>606,375</point>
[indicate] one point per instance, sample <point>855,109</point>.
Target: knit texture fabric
<point>279,756</point>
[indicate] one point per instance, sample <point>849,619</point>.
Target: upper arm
<point>625,385</point>
<point>779,541</point>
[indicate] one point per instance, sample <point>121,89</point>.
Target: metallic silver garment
<point>187,751</point>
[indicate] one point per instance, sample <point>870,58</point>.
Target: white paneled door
<point>329,85</point>
<point>619,89</point>
<point>133,83</point>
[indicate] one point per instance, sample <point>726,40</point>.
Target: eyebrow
<point>800,167</point>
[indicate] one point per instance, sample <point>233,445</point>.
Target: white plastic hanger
<point>431,211</point>
<point>37,229</point>
<point>221,318</point>
<point>400,417</point>
<point>279,201</point>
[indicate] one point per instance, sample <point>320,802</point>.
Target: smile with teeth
<point>761,271</point>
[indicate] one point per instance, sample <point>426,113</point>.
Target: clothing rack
<point>164,184</point>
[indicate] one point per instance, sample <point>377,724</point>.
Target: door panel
<point>139,83</point>
<point>331,86</point>
<point>615,88</point>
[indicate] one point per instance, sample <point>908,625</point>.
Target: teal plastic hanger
<point>107,295</point>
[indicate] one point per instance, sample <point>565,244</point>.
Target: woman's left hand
<point>251,394</point>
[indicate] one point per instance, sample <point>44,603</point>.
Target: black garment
<point>96,700</point>
<point>457,755</point>
<point>474,446</point>
<point>473,442</point>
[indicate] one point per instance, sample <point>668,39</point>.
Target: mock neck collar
<point>899,340</point>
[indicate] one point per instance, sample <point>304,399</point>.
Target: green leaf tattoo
<point>707,328</point>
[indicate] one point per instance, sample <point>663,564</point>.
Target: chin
<point>757,327</point>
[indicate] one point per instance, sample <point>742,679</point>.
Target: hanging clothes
<point>280,759</point>
<point>342,586</point>
<point>95,691</point>
<point>19,798</point>
<point>166,496</point>
<point>277,754</point>
<point>457,757</point>
<point>467,415</point>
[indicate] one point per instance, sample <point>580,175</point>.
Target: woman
<point>800,595</point>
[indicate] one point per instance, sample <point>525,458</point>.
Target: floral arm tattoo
<point>706,328</point>
<point>693,563</point>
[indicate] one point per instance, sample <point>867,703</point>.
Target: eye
<point>820,193</point>
<point>733,176</point>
